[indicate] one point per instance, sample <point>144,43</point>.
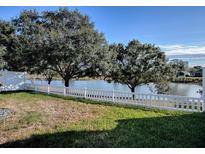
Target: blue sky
<point>177,30</point>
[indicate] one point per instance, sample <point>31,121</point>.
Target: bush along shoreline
<point>187,80</point>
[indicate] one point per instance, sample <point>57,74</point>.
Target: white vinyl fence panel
<point>168,102</point>
<point>11,81</point>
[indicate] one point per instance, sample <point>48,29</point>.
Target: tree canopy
<point>63,41</point>
<point>2,62</point>
<point>179,65</point>
<point>137,64</point>
<point>11,44</point>
<point>5,41</point>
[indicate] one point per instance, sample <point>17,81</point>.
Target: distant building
<point>197,73</point>
<point>183,74</point>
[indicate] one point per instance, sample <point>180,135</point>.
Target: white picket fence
<point>168,102</point>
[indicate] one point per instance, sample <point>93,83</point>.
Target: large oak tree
<point>63,41</point>
<point>137,64</point>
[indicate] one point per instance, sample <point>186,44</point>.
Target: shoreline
<point>188,80</point>
<point>176,80</point>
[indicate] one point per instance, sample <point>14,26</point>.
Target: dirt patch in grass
<point>41,115</point>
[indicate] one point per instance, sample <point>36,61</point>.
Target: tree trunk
<point>49,82</point>
<point>66,83</point>
<point>133,90</point>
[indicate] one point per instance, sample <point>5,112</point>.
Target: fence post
<point>34,85</point>
<point>36,88</point>
<point>48,90</point>
<point>113,95</point>
<point>32,82</point>
<point>64,92</point>
<point>24,81</point>
<point>203,90</point>
<point>5,80</point>
<point>85,92</point>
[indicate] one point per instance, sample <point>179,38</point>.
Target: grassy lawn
<point>49,121</point>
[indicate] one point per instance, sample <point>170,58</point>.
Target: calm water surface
<point>176,88</point>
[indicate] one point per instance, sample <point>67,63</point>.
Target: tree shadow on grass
<point>170,131</point>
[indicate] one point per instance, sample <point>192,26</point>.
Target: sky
<point>178,31</point>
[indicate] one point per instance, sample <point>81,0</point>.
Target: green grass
<point>54,121</point>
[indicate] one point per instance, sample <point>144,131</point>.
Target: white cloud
<point>178,49</point>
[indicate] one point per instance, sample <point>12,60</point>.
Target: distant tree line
<point>67,43</point>
<point>182,69</point>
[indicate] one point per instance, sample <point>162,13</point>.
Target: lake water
<point>176,88</point>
